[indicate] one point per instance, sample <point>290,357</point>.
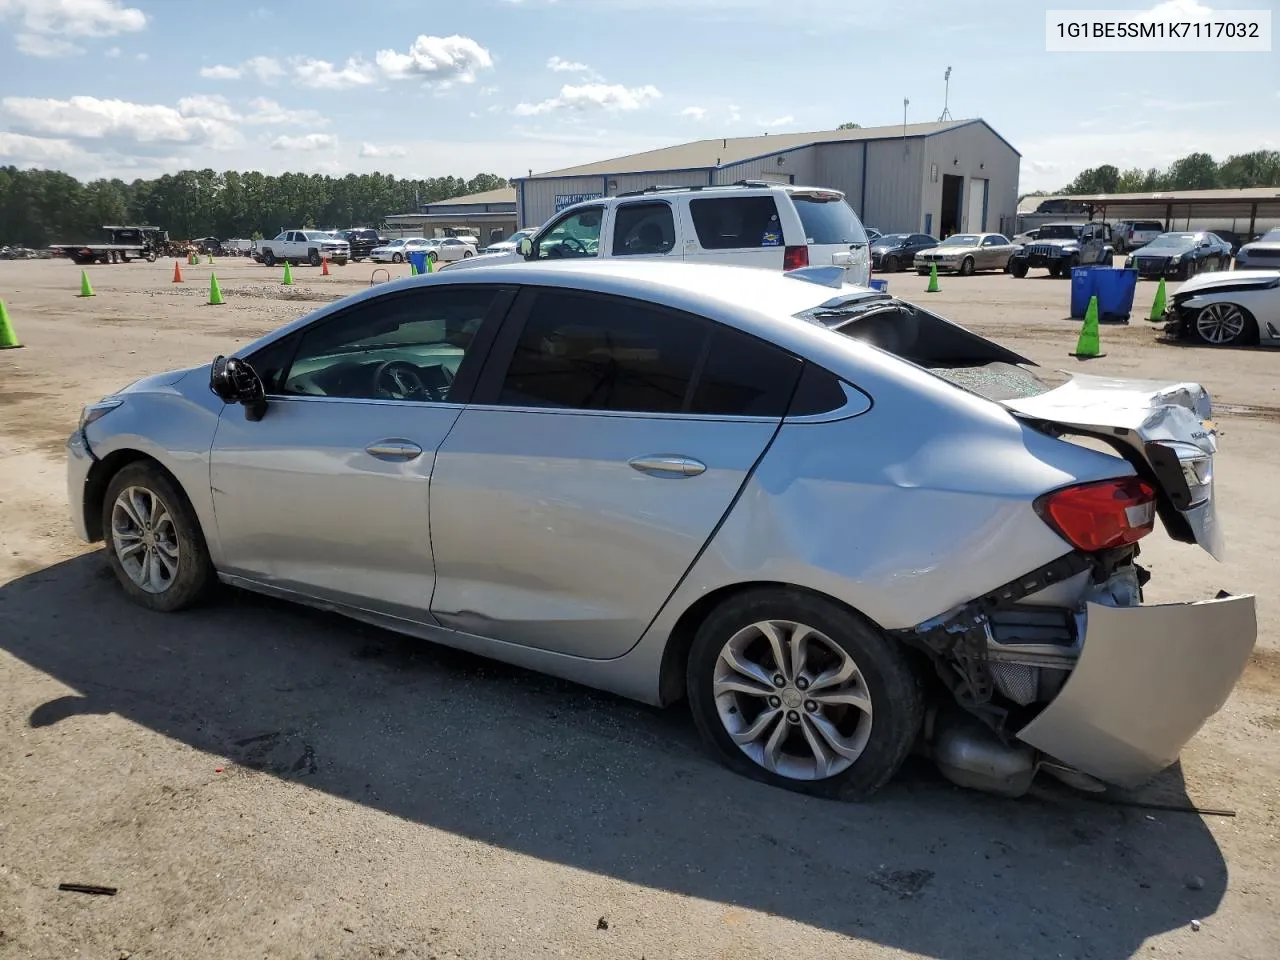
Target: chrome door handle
<point>393,450</point>
<point>668,466</point>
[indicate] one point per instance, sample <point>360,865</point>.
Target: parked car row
<point>438,249</point>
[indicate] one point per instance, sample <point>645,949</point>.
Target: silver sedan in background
<point>966,253</point>
<point>819,513</point>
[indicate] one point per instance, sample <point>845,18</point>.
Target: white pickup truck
<point>302,246</point>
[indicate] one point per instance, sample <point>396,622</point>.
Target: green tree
<point>1195,171</point>
<point>1103,179</point>
<point>1261,168</point>
<point>849,126</point>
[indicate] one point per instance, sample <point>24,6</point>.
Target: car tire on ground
<point>313,257</point>
<point>1224,325</point>
<point>966,267</point>
<point>467,254</point>
<point>341,261</point>
<point>431,256</point>
<point>154,542</point>
<point>268,258</point>
<point>890,265</point>
<point>397,258</point>
<point>1018,268</point>
<point>795,690</point>
<point>1073,261</point>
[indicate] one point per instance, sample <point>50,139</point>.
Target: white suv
<point>751,224</point>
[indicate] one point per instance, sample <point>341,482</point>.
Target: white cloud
<point>112,52</point>
<point>776,121</point>
<point>373,150</point>
<point>41,45</point>
<point>265,69</point>
<point>266,111</point>
<point>560,65</point>
<point>453,58</point>
<point>592,96</point>
<point>19,148</point>
<point>75,18</point>
<point>88,118</point>
<point>306,143</point>
<point>213,107</point>
<point>488,91</point>
<point>735,113</point>
<point>323,75</point>
<point>142,56</point>
<point>694,113</point>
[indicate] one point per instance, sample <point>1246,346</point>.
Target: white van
<point>752,224</point>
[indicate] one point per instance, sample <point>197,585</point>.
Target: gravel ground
<point>260,780</point>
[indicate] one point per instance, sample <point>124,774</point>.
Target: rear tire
<point>154,542</point>
<point>845,661</point>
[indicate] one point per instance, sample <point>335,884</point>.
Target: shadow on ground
<point>574,777</point>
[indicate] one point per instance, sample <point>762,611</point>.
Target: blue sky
<point>133,88</point>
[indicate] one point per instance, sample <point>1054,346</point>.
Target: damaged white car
<point>842,526</point>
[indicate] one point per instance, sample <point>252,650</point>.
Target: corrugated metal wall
<point>540,196</point>
<point>973,151</point>
<point>797,163</point>
<point>894,184</point>
<point>627,182</point>
<point>839,166</point>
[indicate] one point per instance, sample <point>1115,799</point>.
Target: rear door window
<point>732,223</point>
<point>641,229</point>
<point>827,218</point>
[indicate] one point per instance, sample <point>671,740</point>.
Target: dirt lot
<point>260,780</point>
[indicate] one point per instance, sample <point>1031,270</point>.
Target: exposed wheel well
<point>675,658</point>
<point>100,474</point>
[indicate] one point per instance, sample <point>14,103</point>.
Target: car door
<point>450,249</point>
<point>644,230</point>
<point>607,439</point>
<point>996,250</point>
<point>327,494</point>
<point>744,231</point>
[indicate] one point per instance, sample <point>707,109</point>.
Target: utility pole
<point>946,97</point>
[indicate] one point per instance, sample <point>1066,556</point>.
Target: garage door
<point>973,208</point>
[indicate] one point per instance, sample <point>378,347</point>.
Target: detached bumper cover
<point>1146,681</point>
<point>79,460</point>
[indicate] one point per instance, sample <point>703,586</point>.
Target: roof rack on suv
<point>663,188</point>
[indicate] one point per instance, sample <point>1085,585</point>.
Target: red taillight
<point>795,257</point>
<point>1099,516</point>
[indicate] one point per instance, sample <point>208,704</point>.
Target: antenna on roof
<point>905,103</point>
<point>946,97</point>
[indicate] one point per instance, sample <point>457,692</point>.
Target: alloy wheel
<point>792,700</point>
<point>145,539</point>
<point>1220,323</point>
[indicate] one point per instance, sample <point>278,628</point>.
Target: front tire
<point>966,267</point>
<point>154,542</point>
<point>1224,325</point>
<point>268,258</point>
<point>797,691</point>
<point>890,265</point>
<point>1018,268</point>
<point>397,258</point>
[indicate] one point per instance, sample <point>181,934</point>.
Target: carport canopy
<point>1169,205</point>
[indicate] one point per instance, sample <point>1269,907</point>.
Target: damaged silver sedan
<point>840,525</point>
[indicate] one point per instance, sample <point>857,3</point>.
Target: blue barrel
<point>419,259</point>
<point>1084,286</point>
<point>1115,289</point>
<point>881,285</point>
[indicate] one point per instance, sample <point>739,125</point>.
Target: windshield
<point>317,235</point>
<point>891,240</point>
<point>1058,231</point>
<point>961,240</point>
<point>827,218</point>
<point>1172,240</point>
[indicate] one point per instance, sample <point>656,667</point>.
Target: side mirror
<point>525,247</point>
<point>235,381</point>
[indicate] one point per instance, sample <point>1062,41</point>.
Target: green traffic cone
<point>288,275</point>
<point>1157,305</point>
<point>8,338</point>
<point>431,265</point>
<point>413,269</point>
<point>85,289</point>
<point>215,292</point>
<point>933,279</point>
<point>1089,345</point>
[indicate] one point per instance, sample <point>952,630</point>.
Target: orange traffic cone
<point>177,271</point>
<point>324,266</point>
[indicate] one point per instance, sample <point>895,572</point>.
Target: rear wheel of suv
<point>966,267</point>
<point>797,691</point>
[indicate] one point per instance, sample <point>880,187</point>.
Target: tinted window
<point>643,228</point>
<point>271,363</point>
<point>998,240</point>
<point>401,347</point>
<point>1148,225</point>
<point>921,239</point>
<point>596,353</point>
<point>729,223</point>
<point>743,376</point>
<point>827,218</point>
<point>817,392</point>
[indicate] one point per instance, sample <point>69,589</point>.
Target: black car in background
<point>897,251</point>
<point>362,240</point>
<point>1180,255</point>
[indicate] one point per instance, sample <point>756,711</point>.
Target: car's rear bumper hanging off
<point>1147,679</point>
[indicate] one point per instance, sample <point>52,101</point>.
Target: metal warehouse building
<point>935,178</point>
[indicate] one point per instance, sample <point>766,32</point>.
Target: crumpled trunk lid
<point>1164,429</point>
